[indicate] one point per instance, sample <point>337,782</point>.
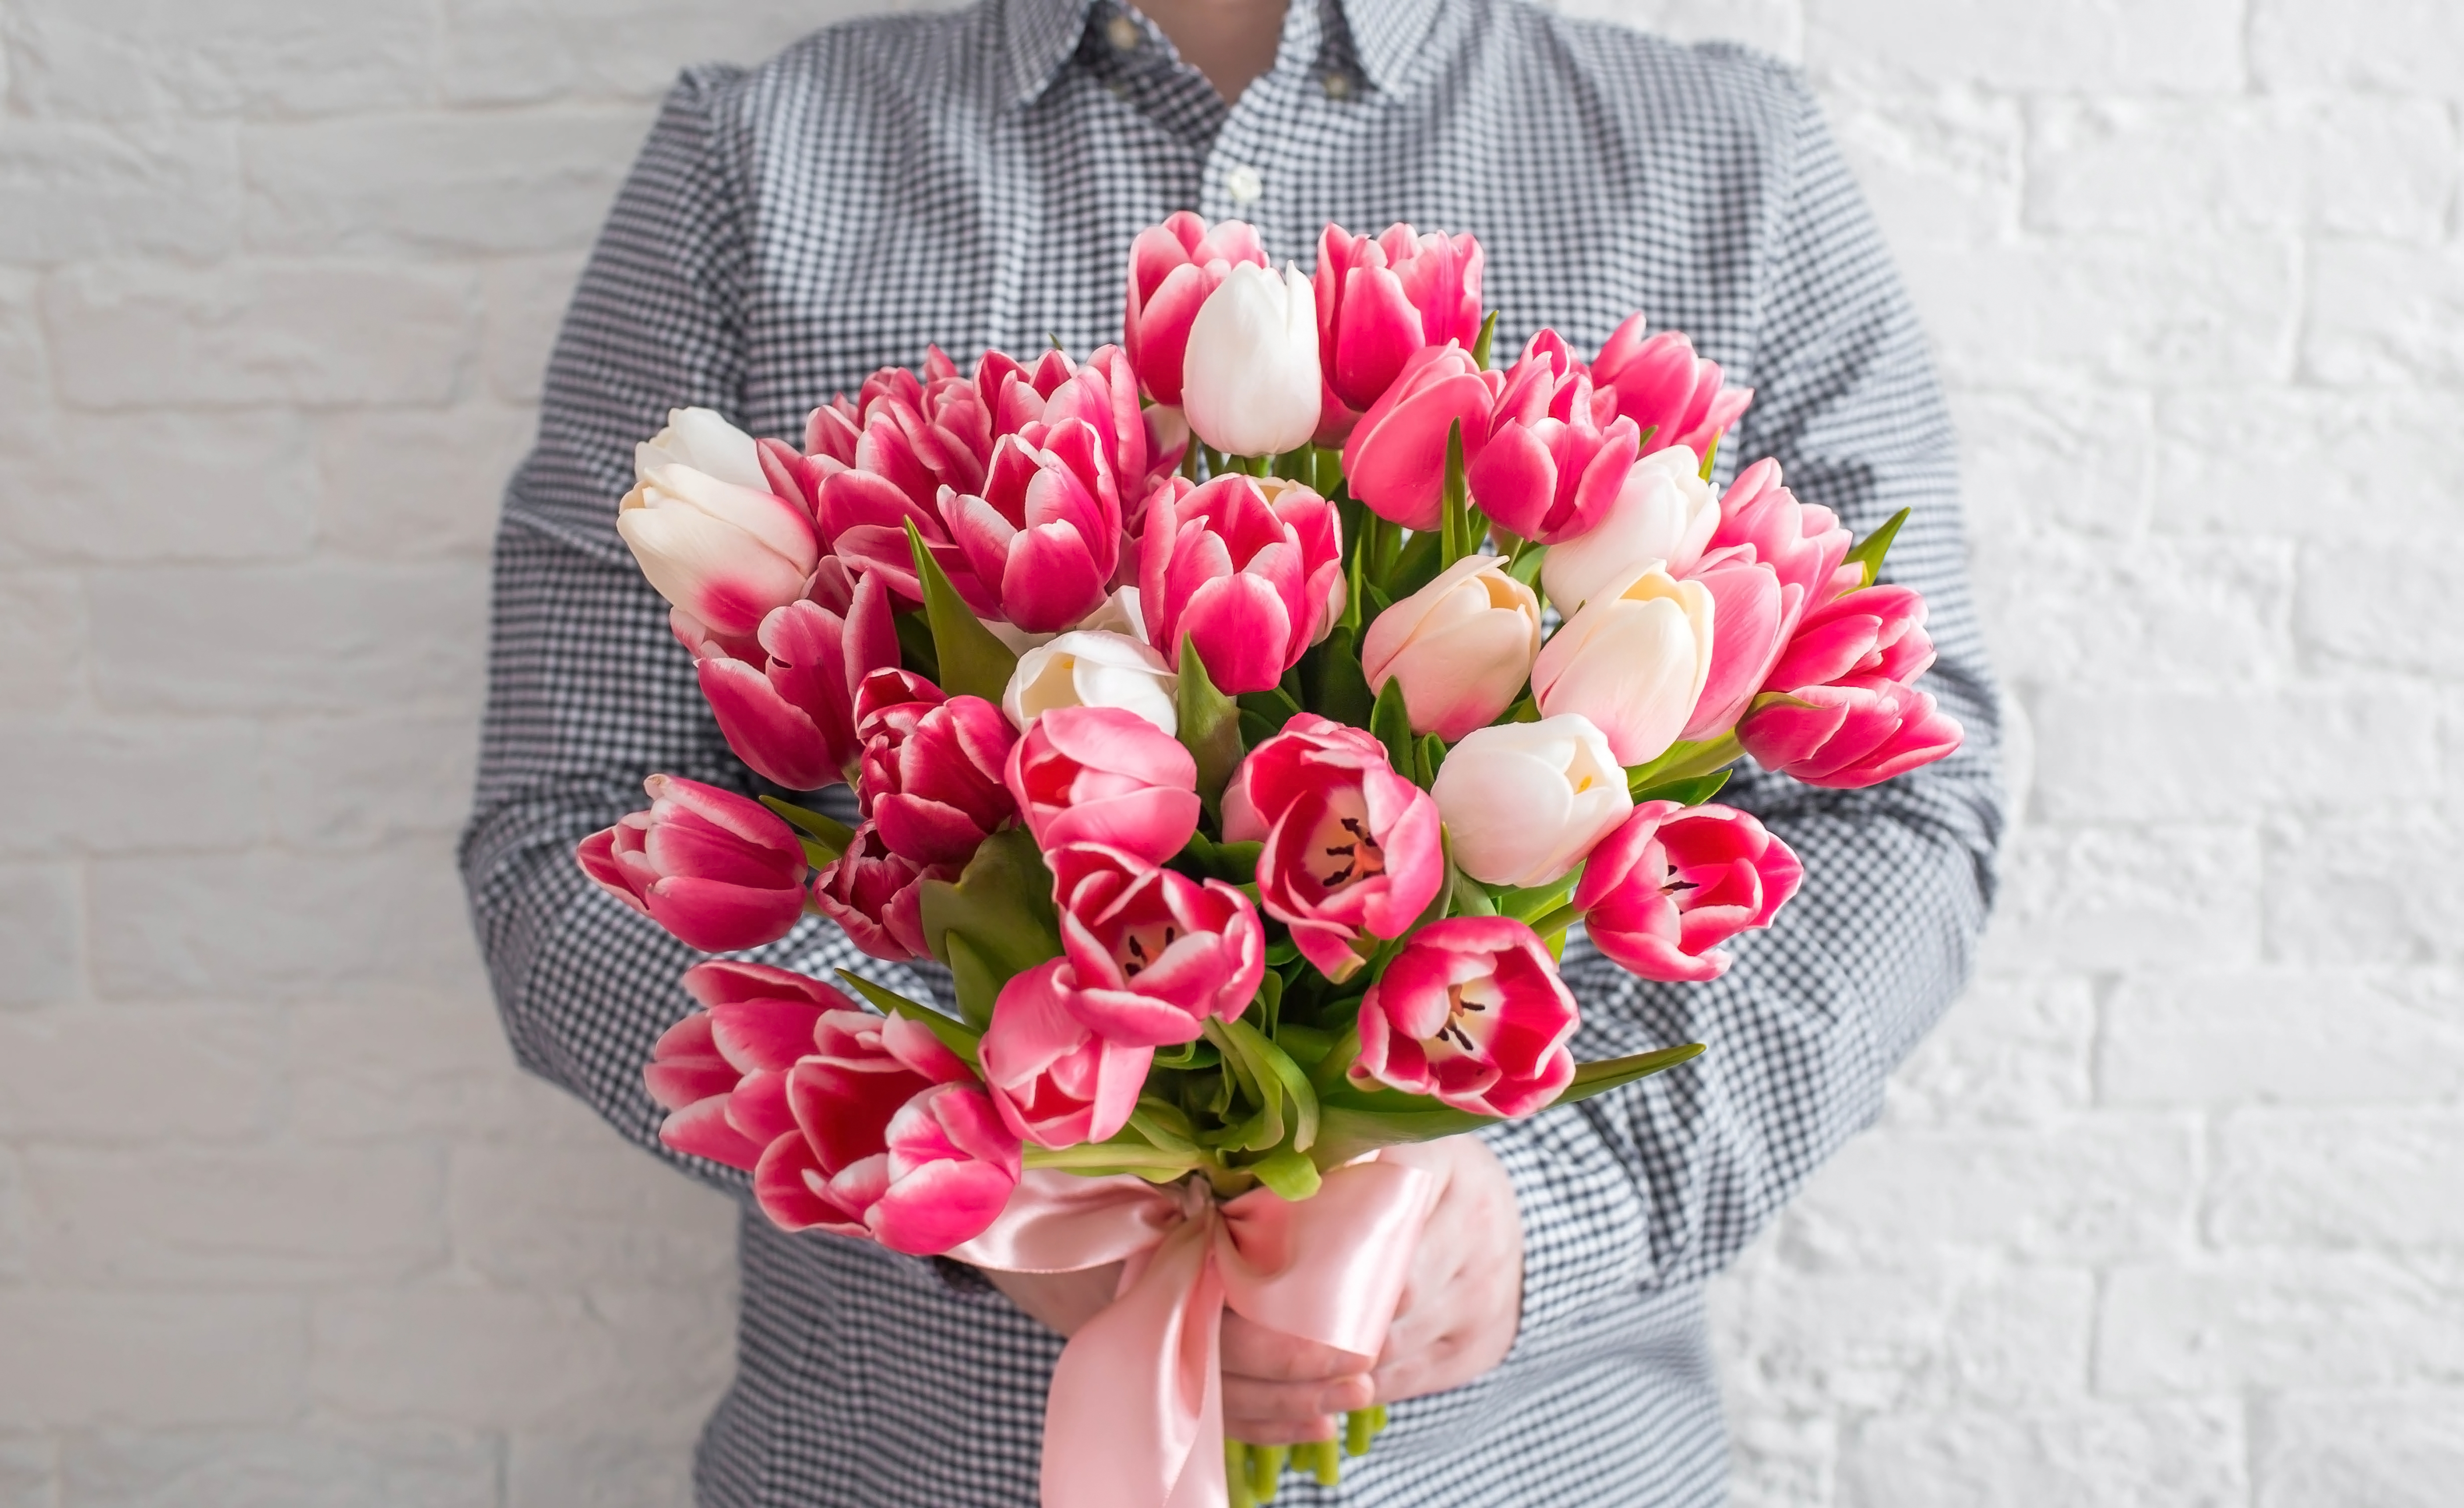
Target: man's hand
<point>1460,1309</point>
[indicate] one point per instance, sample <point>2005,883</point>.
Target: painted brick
<point>2084,1455</point>
<point>2014,1051</point>
<point>2108,898</point>
<point>608,1469</point>
<point>68,785</point>
<point>2285,1036</point>
<point>2307,462</point>
<point>2107,755</point>
<point>183,1073</point>
<point>505,52</point>
<point>245,489</point>
<point>2160,612</point>
<point>2385,314</point>
<point>2399,1451</point>
<point>2383,603</point>
<point>347,782</point>
<point>287,1469</point>
<point>2364,891</point>
<point>2053,460</point>
<point>2192,44</point>
<point>27,1475</point>
<point>140,57</point>
<point>525,298</point>
<point>420,1066</point>
<point>242,1218</point>
<point>544,1218</point>
<point>1774,26</point>
<point>25,374</point>
<point>81,1358</point>
<point>414,484</point>
<point>76,189</point>
<point>2374,1178</point>
<point>2414,44</point>
<point>132,334</point>
<point>429,183</point>
<point>310,638</point>
<point>2314,1321</point>
<point>42,641</point>
<point>42,925</point>
<point>12,1243</point>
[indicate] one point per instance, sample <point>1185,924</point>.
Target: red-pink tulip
<point>1100,775</point>
<point>1045,535</point>
<point>1801,546</point>
<point>1173,266</point>
<point>718,872</point>
<point>1750,616</point>
<point>1557,458</point>
<point>1660,384</point>
<point>1153,954</point>
<point>788,708</point>
<point>871,893</point>
<point>931,777</point>
<point>1054,1079</point>
<point>722,1071</point>
<point>1662,892</point>
<point>1471,1012</point>
<point>1877,632</point>
<point>1854,732</point>
<point>1250,570</point>
<point>1396,460</point>
<point>1352,849</point>
<point>1380,300</point>
<point>1102,394</point>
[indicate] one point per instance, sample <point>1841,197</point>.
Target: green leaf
<point>1210,726</point>
<point>1455,503</point>
<point>1102,1159</point>
<point>1616,1073</point>
<point>1686,760</point>
<point>915,645</point>
<point>1165,1133</point>
<point>1711,454</point>
<point>1526,565</point>
<point>1468,896</point>
<point>1274,704</point>
<point>1537,900</point>
<point>822,830</point>
<point>1188,1056</point>
<point>1432,752</point>
<point>957,1036</point>
<point>971,661</point>
<point>1392,722</point>
<point>1416,566</point>
<point>1344,1133</point>
<point>1205,859</point>
<point>1487,338</point>
<point>1327,478</point>
<point>1274,1067</point>
<point>1692,791</point>
<point>1343,690</point>
<point>1270,1000</point>
<point>1870,550</point>
<point>1288,1172</point>
<point>974,979</point>
<point>1255,728</point>
<point>1002,905</point>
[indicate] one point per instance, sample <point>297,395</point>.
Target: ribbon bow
<point>1134,1417</point>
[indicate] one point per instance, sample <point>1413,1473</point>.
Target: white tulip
<point>725,554</point>
<point>1634,661</point>
<point>1116,613</point>
<point>1664,512</point>
<point>1089,667</point>
<point>702,439</point>
<point>1251,384</point>
<point>1525,802</point>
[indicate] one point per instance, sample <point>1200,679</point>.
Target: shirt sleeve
<point>1662,1182</point>
<point>588,692</point>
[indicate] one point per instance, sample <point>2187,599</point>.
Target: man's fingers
<point>1252,1350</point>
<point>1253,1400</point>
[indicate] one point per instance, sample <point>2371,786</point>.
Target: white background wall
<point>2170,1212</point>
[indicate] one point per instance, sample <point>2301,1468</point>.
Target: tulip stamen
<point>1362,857</point>
<point>1137,962</point>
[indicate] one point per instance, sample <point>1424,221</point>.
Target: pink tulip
<point>1249,570</point>
<point>917,1160</point>
<point>1800,547</point>
<point>1877,632</point>
<point>1351,849</point>
<point>864,517</point>
<point>1554,463</point>
<point>1463,646</point>
<point>1394,461</point>
<point>1471,1012</point>
<point>1100,775</point>
<point>1662,892</point>
<point>1153,954</point>
<point>717,870</point>
<point>1854,732</point>
<point>1664,389</point>
<point>723,553</point>
<point>721,1071</point>
<point>1045,536</point>
<point>1102,394</point>
<point>1749,624</point>
<point>1379,301</point>
<point>931,777</point>
<point>1055,1081</point>
<point>871,893</point>
<point>1173,268</point>
<point>790,713</point>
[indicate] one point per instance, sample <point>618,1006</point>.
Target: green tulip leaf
<point>1391,721</point>
<point>822,831</point>
<point>1288,1172</point>
<point>1691,791</point>
<point>1870,550</point>
<point>957,1036</point>
<point>971,661</point>
<point>1210,727</point>
<point>1487,338</point>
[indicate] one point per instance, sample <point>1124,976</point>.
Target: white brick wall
<point>2170,1212</point>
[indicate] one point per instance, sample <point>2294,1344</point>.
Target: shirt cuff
<point>1586,1233</point>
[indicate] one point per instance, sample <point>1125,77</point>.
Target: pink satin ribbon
<point>1134,1417</point>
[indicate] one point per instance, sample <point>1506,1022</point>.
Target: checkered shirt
<point>973,178</point>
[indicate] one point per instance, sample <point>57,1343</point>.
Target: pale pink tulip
<point>1664,515</point>
<point>1463,646</point>
<point>1055,1081</point>
<point>1173,268</point>
<point>718,872</point>
<point>1662,892</point>
<point>1634,662</point>
<point>1249,570</point>
<point>1473,1012</point>
<point>1852,733</point>
<point>1352,849</point>
<point>704,440</point>
<point>1379,301</point>
<point>1099,774</point>
<point>1153,954</point>
<point>1524,803</point>
<point>1554,463</point>
<point>1394,461</point>
<point>932,767</point>
<point>1660,384</point>
<point>1091,668</point>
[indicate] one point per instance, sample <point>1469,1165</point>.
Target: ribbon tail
<point>1136,1391</point>
<point>1201,1483</point>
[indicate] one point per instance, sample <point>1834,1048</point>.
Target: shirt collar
<point>1040,35</point>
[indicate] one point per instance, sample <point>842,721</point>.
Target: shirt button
<point>1124,33</point>
<point>1338,86</point>
<point>1244,185</point>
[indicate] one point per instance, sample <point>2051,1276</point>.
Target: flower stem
<point>1558,920</point>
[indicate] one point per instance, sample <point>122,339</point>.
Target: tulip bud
<point>718,872</point>
<point>1663,387</point>
<point>1660,893</point>
<point>1099,774</point>
<point>702,439</point>
<point>871,893</point>
<point>1174,267</point>
<point>1463,646</point>
<point>1251,383</point>
<point>1849,734</point>
<point>1524,803</point>
<point>790,712</point>
<point>1553,465</point>
<point>724,553</point>
<point>1664,515</point>
<point>1632,662</point>
<point>1250,570</point>
<point>1378,301</point>
<point>1055,1081</point>
<point>1473,1012</point>
<point>1090,668</point>
<point>1396,460</point>
<point>932,767</point>
<point>721,1071</point>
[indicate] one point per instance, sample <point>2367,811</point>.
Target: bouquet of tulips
<point>1205,721</point>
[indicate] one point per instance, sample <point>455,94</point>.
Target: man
<point>975,178</point>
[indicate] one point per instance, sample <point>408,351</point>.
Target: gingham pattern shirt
<point>974,180</point>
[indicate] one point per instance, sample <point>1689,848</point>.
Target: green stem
<point>1558,920</point>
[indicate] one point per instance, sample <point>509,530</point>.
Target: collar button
<point>1245,184</point>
